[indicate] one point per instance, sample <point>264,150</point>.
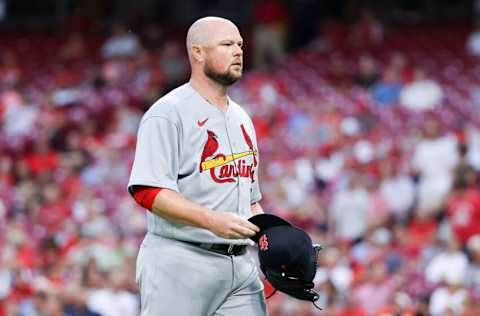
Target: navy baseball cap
<point>265,221</point>
<point>284,247</point>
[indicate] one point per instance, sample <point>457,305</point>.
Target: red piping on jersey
<point>145,196</point>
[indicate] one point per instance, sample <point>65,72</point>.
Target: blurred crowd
<point>375,152</point>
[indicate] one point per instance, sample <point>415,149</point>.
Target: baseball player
<point>195,170</point>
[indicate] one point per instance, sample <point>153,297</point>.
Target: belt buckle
<point>230,249</point>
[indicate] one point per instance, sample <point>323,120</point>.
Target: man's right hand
<point>230,226</point>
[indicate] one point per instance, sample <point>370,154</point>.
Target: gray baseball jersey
<point>210,157</point>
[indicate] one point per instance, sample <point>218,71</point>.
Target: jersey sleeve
<point>256,195</point>
<point>157,154</point>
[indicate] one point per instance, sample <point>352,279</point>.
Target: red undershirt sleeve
<point>145,195</point>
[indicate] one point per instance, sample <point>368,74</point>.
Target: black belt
<point>224,249</point>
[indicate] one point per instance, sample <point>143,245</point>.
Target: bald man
<point>195,171</point>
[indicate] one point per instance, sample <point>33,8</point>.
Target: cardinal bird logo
<point>210,148</point>
<point>248,140</point>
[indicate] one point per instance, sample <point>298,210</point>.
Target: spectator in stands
<point>434,158</point>
<point>378,209</point>
<point>292,189</point>
<point>422,93</point>
<point>463,208</point>
<point>401,306</point>
<point>42,159</point>
<point>449,265</point>
<point>420,232</point>
<point>348,210</point>
<point>19,115</point>
<point>113,299</point>
<point>450,298</point>
<point>367,72</point>
<point>174,64</point>
<point>376,284</point>
<point>375,244</point>
<point>398,189</point>
<point>76,302</point>
<point>387,90</point>
<point>328,167</point>
<point>122,43</point>
<point>400,64</point>
<point>334,269</point>
<point>53,213</point>
<point>270,32</point>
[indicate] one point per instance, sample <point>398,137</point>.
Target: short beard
<point>225,79</point>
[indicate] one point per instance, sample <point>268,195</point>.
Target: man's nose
<point>238,50</point>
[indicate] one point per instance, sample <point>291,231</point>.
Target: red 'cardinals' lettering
<point>221,179</point>
<point>228,173</point>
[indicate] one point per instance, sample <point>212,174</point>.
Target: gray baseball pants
<point>179,279</point>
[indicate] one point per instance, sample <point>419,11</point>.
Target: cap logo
<point>263,243</point>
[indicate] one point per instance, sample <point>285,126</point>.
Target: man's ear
<point>198,53</point>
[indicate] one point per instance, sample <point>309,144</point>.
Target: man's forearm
<point>174,207</point>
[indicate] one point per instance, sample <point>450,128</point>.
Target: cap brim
<point>265,221</point>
